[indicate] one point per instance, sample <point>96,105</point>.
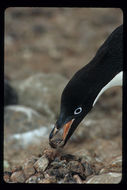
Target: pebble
<point>28,168</point>
<point>69,157</point>
<point>57,172</point>
<point>52,167</point>
<point>76,168</point>
<point>35,178</point>
<point>41,164</point>
<point>59,164</point>
<point>18,177</point>
<point>77,179</point>
<point>50,154</point>
<point>88,169</point>
<point>16,168</point>
<point>69,178</point>
<point>32,179</point>
<point>7,176</point>
<point>48,180</point>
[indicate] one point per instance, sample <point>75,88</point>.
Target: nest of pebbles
<point>51,167</point>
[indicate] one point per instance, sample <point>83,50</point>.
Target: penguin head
<point>80,94</point>
<point>74,107</point>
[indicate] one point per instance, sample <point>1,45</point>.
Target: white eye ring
<point>78,110</point>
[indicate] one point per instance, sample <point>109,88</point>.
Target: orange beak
<point>66,128</point>
<point>54,141</point>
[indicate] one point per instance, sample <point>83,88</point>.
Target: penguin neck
<point>116,81</point>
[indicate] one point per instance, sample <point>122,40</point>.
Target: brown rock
<point>50,154</point>
<point>41,164</point>
<point>16,168</point>
<point>7,176</point>
<point>70,157</point>
<point>77,179</point>
<point>59,173</point>
<point>69,178</point>
<point>88,169</point>
<point>85,155</point>
<point>76,168</point>
<point>32,179</point>
<point>39,176</point>
<point>48,180</point>
<point>28,168</point>
<point>97,166</point>
<point>57,164</point>
<point>18,177</point>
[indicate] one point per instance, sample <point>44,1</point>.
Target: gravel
<point>56,167</point>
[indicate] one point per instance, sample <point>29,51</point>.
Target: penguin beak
<point>60,142</point>
<point>68,127</point>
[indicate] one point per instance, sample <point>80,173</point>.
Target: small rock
<point>35,178</point>
<point>69,157</point>
<point>32,179</point>
<point>69,178</point>
<point>18,177</point>
<point>7,176</point>
<point>85,155</point>
<point>57,159</point>
<point>97,166</point>
<point>106,178</point>
<point>41,164</point>
<point>50,154</point>
<point>56,164</point>
<point>39,177</point>
<point>88,169</point>
<point>16,168</point>
<point>77,179</point>
<point>28,168</point>
<point>57,172</point>
<point>48,180</point>
<point>76,168</point>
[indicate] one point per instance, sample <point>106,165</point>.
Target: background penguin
<point>10,94</point>
<point>83,90</point>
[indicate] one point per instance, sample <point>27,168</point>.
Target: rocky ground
<point>57,167</point>
<point>44,47</point>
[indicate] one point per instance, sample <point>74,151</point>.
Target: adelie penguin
<point>85,87</point>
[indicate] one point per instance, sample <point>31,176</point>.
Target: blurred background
<point>44,47</point>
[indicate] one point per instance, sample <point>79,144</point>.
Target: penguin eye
<point>78,110</point>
